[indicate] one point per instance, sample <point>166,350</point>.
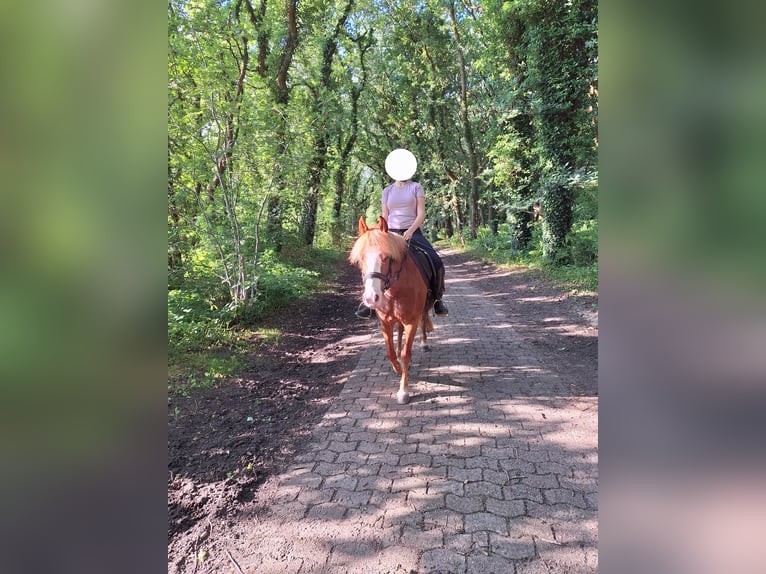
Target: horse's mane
<point>390,244</point>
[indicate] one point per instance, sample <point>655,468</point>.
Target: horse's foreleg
<point>400,333</point>
<point>388,337</point>
<point>425,322</point>
<point>403,396</point>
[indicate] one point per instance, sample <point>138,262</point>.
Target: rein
<point>386,279</point>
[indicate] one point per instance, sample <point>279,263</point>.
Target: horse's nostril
<point>376,297</point>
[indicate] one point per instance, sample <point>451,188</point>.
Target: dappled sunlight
<point>456,341</point>
<point>539,299</point>
<point>500,326</point>
<point>526,369</point>
<point>462,369</point>
<point>496,445</point>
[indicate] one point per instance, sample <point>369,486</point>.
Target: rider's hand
<point>407,235</point>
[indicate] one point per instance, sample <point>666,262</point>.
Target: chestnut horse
<point>395,289</point>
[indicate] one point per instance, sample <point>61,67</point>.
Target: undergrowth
<point>581,276</point>
<point>208,340</point>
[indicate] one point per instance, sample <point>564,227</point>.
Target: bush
<point>582,242</point>
<point>276,290</point>
<point>200,316</point>
<point>195,322</point>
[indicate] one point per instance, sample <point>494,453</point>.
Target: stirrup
<point>364,312</point>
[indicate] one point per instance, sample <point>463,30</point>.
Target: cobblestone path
<point>491,468</point>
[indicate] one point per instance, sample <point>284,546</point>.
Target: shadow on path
<point>491,468</point>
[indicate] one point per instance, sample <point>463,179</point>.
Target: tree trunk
<point>321,145</point>
<point>364,41</point>
<point>557,221</point>
<point>281,92</point>
<point>473,198</point>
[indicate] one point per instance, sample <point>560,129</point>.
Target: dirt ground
<point>225,441</point>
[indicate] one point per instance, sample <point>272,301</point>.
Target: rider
<point>404,207</point>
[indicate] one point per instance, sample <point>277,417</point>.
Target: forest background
<point>281,115</point>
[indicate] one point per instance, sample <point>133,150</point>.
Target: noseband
<point>386,279</point>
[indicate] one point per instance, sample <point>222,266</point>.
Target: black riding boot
<point>439,308</point>
<point>364,312</point>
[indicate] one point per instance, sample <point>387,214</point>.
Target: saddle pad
<point>424,264</point>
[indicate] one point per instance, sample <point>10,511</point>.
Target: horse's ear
<point>382,224</point>
<point>362,226</point>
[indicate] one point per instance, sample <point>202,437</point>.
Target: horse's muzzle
<point>371,299</point>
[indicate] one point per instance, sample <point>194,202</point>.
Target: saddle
<point>425,266</point>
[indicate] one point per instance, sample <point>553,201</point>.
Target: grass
<point>201,370</point>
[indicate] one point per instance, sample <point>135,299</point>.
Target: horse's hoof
<point>402,397</point>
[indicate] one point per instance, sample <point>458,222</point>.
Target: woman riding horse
<point>404,208</point>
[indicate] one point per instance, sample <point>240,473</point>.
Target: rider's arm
<point>419,218</point>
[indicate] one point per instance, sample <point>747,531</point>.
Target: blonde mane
<point>389,244</point>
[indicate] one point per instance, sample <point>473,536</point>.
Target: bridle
<point>386,279</point>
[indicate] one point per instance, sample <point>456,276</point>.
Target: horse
<point>396,290</point>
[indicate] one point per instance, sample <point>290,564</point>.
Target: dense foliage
<point>281,114</point>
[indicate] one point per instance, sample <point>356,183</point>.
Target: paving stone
<point>326,511</point>
<point>506,508</point>
<point>423,502</point>
<point>487,564</point>
<point>558,512</point>
<point>305,480</point>
<point>399,515</point>
<point>460,543</point>
<point>396,559</point>
<point>388,499</point>
<point>535,456</point>
<point>371,447</point>
<point>522,492</point>
<point>512,548</point>
<point>463,504</point>
<point>350,498</point>
<point>483,488</point>
<point>340,481</point>
<point>367,469</point>
<point>384,458</point>
<point>415,459</point>
<point>326,469</point>
<point>482,462</point>
<point>486,521</point>
<point>541,481</point>
<point>443,561</point>
<point>518,467</point>
<point>337,446</point>
<point>499,477</point>
<point>583,531</point>
<point>564,496</point>
<point>408,483</point>
<point>414,536</point>
<point>315,496</point>
<point>402,448</point>
<point>464,474</point>
<point>445,486</point>
<point>449,521</point>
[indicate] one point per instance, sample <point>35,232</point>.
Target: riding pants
<point>437,284</point>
